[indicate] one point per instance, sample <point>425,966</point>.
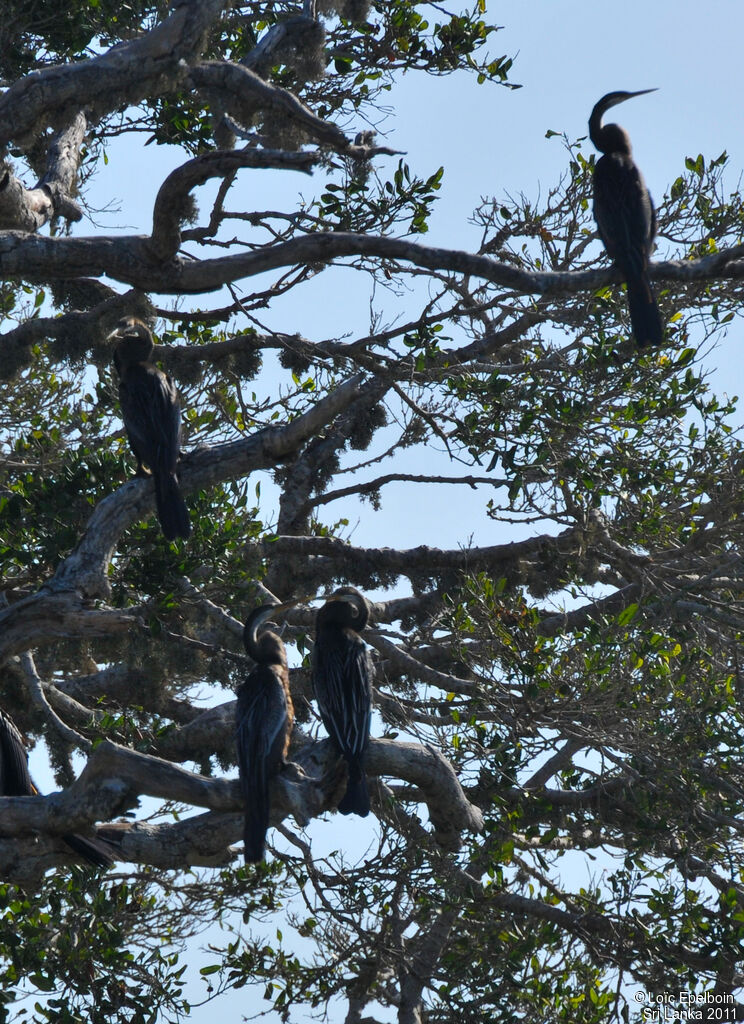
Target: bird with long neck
<point>342,681</point>
<point>15,780</point>
<point>264,721</point>
<point>625,217</point>
<point>152,418</point>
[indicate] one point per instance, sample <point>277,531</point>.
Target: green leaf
<point>627,615</point>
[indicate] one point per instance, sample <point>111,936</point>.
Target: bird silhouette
<point>625,217</point>
<point>342,681</point>
<point>265,717</point>
<point>152,417</point>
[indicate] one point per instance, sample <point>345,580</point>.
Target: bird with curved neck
<point>265,717</point>
<point>625,217</point>
<point>342,681</point>
<point>15,780</point>
<point>152,418</point>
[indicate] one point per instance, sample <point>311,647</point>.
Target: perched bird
<point>625,217</point>
<point>152,417</point>
<point>342,680</point>
<point>264,724</point>
<point>15,780</point>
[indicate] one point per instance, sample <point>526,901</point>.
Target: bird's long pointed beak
<point>121,329</point>
<point>337,595</point>
<point>127,325</point>
<point>268,614</point>
<point>608,101</point>
<point>287,604</point>
<point>277,609</point>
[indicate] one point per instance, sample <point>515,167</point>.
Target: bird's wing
<point>15,779</point>
<point>343,688</point>
<point>624,212</point>
<point>152,416</point>
<point>262,722</point>
<point>264,719</point>
<point>359,672</point>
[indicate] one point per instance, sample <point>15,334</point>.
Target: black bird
<point>625,217</point>
<point>15,780</point>
<point>152,417</point>
<point>342,680</point>
<point>264,724</point>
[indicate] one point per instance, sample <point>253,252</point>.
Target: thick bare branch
<point>498,559</point>
<point>127,258</point>
<point>211,733</point>
<point>450,811</point>
<point>46,615</point>
<point>204,840</point>
<point>115,777</point>
<point>63,160</point>
<point>89,326</point>
<point>22,209</point>
<point>169,203</point>
<point>123,75</point>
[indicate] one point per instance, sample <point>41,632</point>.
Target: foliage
<point>580,673</point>
<point>75,945</point>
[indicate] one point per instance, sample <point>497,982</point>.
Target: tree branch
<point>450,811</point>
<point>47,614</point>
<point>63,160</point>
<point>121,76</point>
<point>126,258</point>
<point>242,92</point>
<point>169,202</point>
<point>86,567</point>
<point>20,208</point>
<point>500,559</point>
<point>38,697</point>
<point>115,777</point>
<point>86,327</point>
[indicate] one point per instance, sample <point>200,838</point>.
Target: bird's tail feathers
<point>172,511</point>
<point>645,318</point>
<point>356,798</point>
<point>256,826</point>
<point>94,851</point>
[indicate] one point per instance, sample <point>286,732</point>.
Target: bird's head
<point>260,642</point>
<point>135,342</point>
<point>611,138</point>
<point>346,607</point>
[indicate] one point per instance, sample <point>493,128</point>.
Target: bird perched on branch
<point>152,417</point>
<point>15,780</point>
<point>264,724</point>
<point>625,217</point>
<point>342,681</point>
